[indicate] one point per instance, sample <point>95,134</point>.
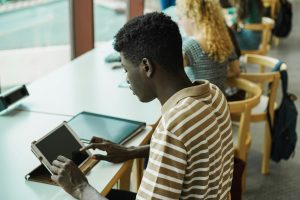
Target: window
<point>34,39</point>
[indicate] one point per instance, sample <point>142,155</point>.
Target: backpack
<point>283,131</point>
<point>283,21</point>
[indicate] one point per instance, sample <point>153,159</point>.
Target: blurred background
<point>35,35</point>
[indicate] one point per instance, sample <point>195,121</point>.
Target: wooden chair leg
<point>137,173</point>
<point>266,150</point>
<point>248,143</point>
<point>124,182</point>
<point>244,180</point>
<point>275,41</point>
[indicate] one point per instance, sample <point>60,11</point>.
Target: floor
<point>283,182</point>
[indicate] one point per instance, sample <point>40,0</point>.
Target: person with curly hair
<point>208,50</point>
<point>191,149</point>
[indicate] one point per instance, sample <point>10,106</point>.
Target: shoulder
<point>190,43</point>
<point>191,110</point>
<point>192,51</point>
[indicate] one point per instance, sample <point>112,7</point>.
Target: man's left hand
<point>68,176</point>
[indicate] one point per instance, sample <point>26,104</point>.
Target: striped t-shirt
<point>191,150</point>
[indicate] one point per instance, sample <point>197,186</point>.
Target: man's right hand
<point>115,153</point>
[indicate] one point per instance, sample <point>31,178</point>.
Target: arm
<point>89,193</point>
<point>141,151</point>
<point>165,170</point>
<point>116,153</point>
<point>233,69</point>
<point>67,175</point>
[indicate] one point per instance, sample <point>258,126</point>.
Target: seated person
<point>191,149</point>
<point>208,50</point>
<point>248,12</point>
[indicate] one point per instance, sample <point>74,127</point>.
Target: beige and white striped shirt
<point>191,150</point>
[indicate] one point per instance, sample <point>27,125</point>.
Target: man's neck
<point>168,87</point>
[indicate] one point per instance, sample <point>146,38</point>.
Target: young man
<point>191,150</point>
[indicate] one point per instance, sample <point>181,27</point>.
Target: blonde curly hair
<point>208,17</point>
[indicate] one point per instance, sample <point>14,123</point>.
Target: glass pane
<point>34,39</point>
<point>109,17</point>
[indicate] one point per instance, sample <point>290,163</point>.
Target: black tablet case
<point>42,175</point>
<point>86,125</point>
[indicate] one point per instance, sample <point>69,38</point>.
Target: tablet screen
<point>61,142</point>
<point>86,125</point>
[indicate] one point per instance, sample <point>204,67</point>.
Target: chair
<point>273,5</point>
<point>266,28</point>
<point>242,139</point>
<point>268,81</point>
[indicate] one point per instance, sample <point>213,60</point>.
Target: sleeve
<point>192,50</point>
<point>163,178</point>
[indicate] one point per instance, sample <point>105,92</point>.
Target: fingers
<point>54,169</point>
<point>100,157</point>
<point>113,159</point>
<point>99,140</point>
<point>57,178</point>
<point>90,146</point>
<point>63,159</point>
<point>57,163</point>
<point>102,146</point>
<point>97,143</point>
<point>96,140</point>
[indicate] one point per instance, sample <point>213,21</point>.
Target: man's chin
<point>140,99</point>
<point>144,100</point>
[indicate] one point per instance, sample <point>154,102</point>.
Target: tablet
<point>117,130</point>
<point>60,141</point>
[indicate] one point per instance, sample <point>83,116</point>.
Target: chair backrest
<point>266,28</point>
<point>243,107</point>
<point>273,5</point>
<point>264,78</point>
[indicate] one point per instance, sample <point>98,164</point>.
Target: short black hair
<point>154,36</point>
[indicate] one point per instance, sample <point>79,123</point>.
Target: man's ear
<point>148,67</point>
